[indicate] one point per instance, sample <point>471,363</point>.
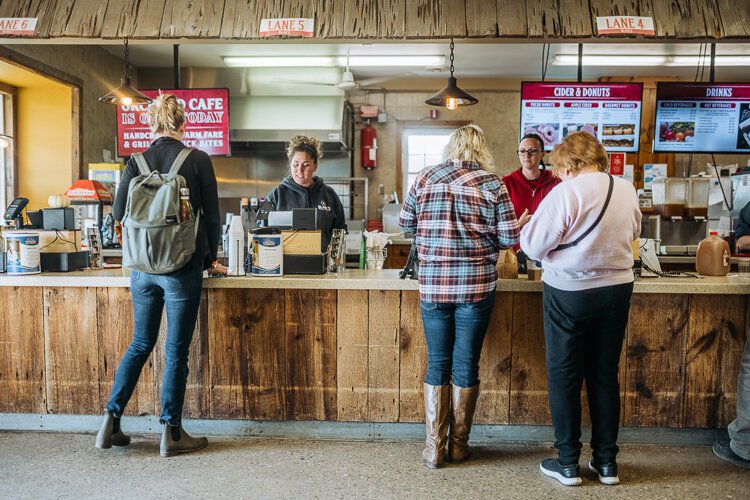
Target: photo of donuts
<point>549,132</point>
<point>570,128</point>
<point>618,129</point>
<point>618,143</point>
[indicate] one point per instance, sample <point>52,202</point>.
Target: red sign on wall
<point>206,122</point>
<point>617,163</point>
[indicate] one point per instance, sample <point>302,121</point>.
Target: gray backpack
<point>154,239</point>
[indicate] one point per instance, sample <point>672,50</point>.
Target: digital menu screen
<point>702,118</point>
<point>206,122</point>
<point>609,111</point>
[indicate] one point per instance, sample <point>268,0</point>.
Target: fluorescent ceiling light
<point>647,60</point>
<point>604,60</point>
<point>331,61</point>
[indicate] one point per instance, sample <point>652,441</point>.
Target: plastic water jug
<point>712,257</point>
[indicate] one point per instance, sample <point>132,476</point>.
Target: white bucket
<point>268,255</point>
<point>22,254</point>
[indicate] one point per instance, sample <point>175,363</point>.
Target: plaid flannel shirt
<point>461,216</point>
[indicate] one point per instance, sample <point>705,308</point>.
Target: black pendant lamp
<point>125,94</point>
<point>452,96</point>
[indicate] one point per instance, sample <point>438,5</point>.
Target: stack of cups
<point>236,243</point>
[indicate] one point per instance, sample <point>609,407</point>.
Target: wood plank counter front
<point>351,348</point>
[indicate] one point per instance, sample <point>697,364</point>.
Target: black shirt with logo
<point>289,195</point>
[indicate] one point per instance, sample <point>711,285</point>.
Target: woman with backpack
<point>178,290</point>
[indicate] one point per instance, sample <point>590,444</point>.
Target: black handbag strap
<point>563,246</point>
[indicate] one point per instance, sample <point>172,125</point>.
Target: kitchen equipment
<point>63,262</point>
<point>669,194</point>
<point>22,253</point>
<point>58,218</point>
<point>696,203</point>
<point>305,264</point>
<point>675,235</point>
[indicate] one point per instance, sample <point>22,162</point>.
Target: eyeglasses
<point>528,152</point>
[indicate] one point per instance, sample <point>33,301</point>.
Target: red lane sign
<point>206,122</point>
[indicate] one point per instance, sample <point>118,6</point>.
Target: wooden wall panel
<point>192,19</point>
<point>481,18</point>
<point>43,10</point>
<point>684,19</point>
<point>412,360</point>
<point>603,8</point>
<point>542,19</point>
<point>86,18</point>
<point>383,368</point>
<point>115,332</point>
<point>22,381</point>
<point>735,18</point>
<point>716,339</point>
<point>352,323</point>
<point>62,13</point>
<point>391,18</point>
<point>310,320</point>
<point>435,18</point>
<point>657,334</point>
<point>71,350</point>
<point>493,405</point>
<point>575,19</point>
<point>247,353</point>
<point>133,19</point>
<point>511,19</point>
<point>528,383</point>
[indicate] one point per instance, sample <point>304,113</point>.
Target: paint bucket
<point>22,253</point>
<point>268,255</point>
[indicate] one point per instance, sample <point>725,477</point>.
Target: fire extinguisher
<point>369,147</point>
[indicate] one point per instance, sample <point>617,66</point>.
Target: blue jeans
<point>739,429</point>
<point>181,292</point>
<point>455,334</point>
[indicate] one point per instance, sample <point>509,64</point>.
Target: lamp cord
<point>127,57</point>
<point>452,45</point>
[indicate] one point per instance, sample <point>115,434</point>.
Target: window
<point>7,145</point>
<point>423,147</point>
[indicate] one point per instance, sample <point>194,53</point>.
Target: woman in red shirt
<point>529,184</point>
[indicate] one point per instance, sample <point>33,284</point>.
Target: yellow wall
<point>44,142</point>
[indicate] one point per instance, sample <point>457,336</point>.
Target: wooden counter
<point>351,348</point>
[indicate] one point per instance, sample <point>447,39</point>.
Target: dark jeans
<point>455,334</point>
<point>181,292</point>
<point>584,331</point>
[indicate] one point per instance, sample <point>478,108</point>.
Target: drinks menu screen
<point>206,122</point>
<point>609,111</point>
<point>702,118</point>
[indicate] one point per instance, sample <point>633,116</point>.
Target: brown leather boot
<point>463,404</point>
<point>436,409</point>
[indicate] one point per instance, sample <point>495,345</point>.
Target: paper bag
<point>507,265</point>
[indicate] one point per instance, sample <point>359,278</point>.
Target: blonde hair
<point>469,144</point>
<point>304,144</point>
<point>165,115</point>
<point>577,151</point>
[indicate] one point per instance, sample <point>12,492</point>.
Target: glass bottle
<point>186,210</point>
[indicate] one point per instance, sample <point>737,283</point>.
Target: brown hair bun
<point>305,144</point>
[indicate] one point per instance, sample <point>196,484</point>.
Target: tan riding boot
<point>436,409</point>
<point>463,404</point>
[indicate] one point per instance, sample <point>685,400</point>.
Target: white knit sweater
<point>604,257</point>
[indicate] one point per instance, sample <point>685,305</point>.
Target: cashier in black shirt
<point>201,180</point>
<point>742,231</point>
<point>302,189</point>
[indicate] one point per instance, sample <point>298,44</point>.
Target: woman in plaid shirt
<point>462,216</point>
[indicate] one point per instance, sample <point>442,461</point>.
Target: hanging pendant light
<point>452,96</point>
<point>125,94</point>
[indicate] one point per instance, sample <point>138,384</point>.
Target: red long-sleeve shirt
<point>526,194</point>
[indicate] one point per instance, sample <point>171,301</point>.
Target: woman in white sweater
<point>582,234</point>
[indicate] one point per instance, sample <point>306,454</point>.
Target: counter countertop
<point>386,279</point>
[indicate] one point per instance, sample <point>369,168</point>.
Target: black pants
<point>584,331</point>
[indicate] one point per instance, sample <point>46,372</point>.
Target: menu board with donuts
<point>702,118</point>
<point>609,111</point>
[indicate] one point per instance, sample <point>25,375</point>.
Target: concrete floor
<point>58,465</point>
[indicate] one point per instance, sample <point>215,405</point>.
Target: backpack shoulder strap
<point>181,157</point>
<point>141,162</point>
